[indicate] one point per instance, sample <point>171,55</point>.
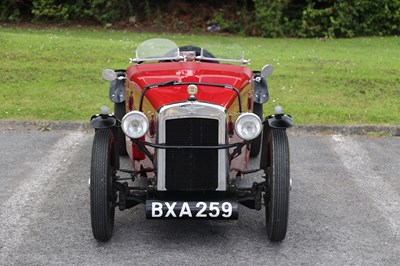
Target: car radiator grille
<point>191,169</point>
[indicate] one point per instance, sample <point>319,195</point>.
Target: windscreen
<point>157,49</point>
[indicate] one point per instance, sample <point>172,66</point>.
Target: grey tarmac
<point>345,209</point>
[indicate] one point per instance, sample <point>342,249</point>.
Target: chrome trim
<point>241,60</point>
<point>137,59</point>
<point>192,110</point>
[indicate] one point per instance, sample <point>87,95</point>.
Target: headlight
<point>248,126</point>
<point>135,124</point>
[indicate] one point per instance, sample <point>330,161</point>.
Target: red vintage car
<point>189,121</point>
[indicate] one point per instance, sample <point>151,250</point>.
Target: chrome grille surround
<point>192,110</point>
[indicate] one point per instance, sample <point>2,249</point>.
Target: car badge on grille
<point>192,108</point>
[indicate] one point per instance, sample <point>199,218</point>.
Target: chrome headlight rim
<point>132,119</point>
<point>249,118</point>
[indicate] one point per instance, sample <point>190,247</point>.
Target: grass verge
<point>55,74</point>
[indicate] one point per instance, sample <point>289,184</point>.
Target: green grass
<point>55,74</point>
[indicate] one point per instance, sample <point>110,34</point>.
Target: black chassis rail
<point>130,196</point>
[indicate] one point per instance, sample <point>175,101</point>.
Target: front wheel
<point>276,164</point>
<point>102,194</point>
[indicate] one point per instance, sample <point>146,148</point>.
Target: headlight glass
<point>135,124</point>
<point>248,126</point>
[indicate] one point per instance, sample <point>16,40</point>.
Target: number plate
<point>221,210</point>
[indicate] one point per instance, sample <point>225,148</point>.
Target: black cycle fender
<point>279,121</point>
<point>103,121</point>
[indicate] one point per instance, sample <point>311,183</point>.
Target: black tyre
<point>119,112</point>
<point>276,163</point>
<point>102,194</point>
<point>256,144</point>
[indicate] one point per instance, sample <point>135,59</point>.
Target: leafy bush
<point>268,18</point>
<point>14,11</point>
<point>351,18</point>
<point>97,11</point>
<point>232,18</point>
<point>49,9</point>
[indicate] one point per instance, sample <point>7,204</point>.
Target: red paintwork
<point>153,73</point>
<point>138,154</point>
<point>213,73</point>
